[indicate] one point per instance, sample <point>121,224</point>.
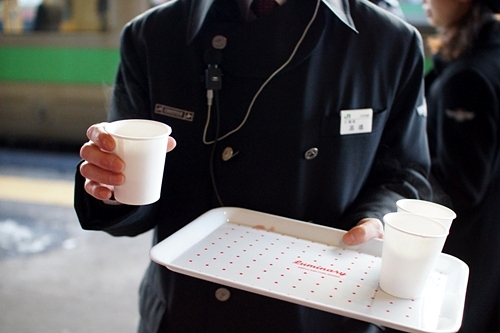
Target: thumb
<point>365,230</point>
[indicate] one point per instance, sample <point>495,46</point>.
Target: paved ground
<point>54,276</point>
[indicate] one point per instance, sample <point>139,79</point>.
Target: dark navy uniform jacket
<point>464,136</point>
<point>289,157</point>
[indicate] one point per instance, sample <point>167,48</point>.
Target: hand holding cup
<point>102,167</point>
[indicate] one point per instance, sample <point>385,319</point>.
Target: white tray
<point>309,264</point>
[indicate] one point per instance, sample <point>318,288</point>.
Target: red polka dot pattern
<point>326,277</point>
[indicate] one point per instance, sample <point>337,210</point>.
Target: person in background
<point>318,118</point>
<point>102,13</point>
<point>49,15</point>
<point>463,98</point>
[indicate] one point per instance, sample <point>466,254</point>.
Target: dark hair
<point>452,43</point>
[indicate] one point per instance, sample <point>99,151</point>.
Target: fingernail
<point>116,165</point>
<point>119,179</point>
<point>103,194</point>
<point>352,237</point>
<point>106,143</point>
<point>349,238</point>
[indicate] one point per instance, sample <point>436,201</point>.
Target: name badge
<point>356,121</point>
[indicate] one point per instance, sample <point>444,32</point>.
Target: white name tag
<point>356,121</point>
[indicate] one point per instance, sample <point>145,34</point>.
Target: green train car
<point>54,83</point>
<point>53,92</point>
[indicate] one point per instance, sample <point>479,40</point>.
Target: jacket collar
<point>199,10</point>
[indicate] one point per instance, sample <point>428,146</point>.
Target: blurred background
<point>58,59</point>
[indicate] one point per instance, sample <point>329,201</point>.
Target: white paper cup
<point>142,145</point>
<point>428,209</point>
<point>412,244</point>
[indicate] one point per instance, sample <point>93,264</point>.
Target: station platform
<point>54,276</point>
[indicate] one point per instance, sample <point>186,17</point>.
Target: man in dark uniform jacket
<point>275,138</point>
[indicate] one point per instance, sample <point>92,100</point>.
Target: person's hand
<point>365,230</point>
<point>101,168</point>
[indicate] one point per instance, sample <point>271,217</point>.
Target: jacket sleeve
<point>402,162</point>
<point>129,100</point>
<point>130,97</point>
<point>467,137</point>
<point>117,220</point>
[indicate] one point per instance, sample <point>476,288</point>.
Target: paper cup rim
<point>423,235</point>
<point>108,127</point>
<point>452,214</point>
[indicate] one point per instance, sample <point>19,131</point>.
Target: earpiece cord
<point>210,96</point>
<point>212,153</point>
<point>214,97</point>
<point>262,86</point>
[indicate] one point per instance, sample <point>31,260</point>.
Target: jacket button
<point>227,154</point>
<point>219,42</point>
<point>311,154</point>
<point>222,294</point>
